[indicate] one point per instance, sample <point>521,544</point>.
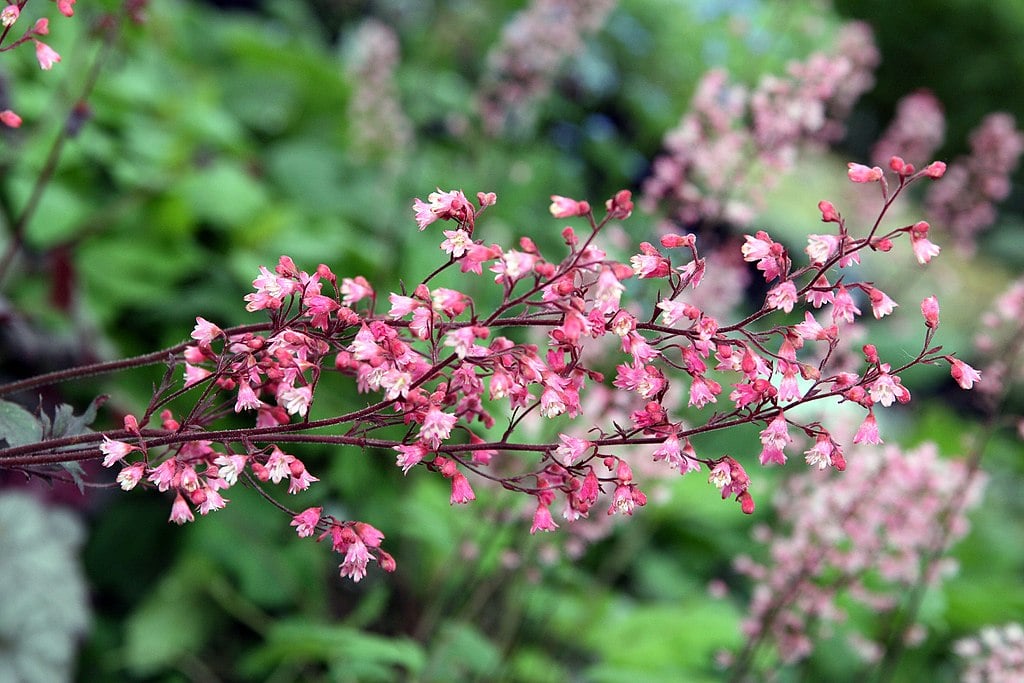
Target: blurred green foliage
<point>218,140</point>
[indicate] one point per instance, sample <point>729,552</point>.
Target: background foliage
<point>218,139</point>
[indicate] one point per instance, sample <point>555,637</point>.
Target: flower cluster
<point>733,144</point>
<point>995,655</point>
<point>443,371</point>
<point>964,202</point>
<point>380,125</point>
<point>533,46</point>
<point>852,537</point>
<point>45,55</point>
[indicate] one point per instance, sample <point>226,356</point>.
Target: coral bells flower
<point>445,206</point>
<point>649,263</point>
<point>180,511</point>
<point>456,242</point>
<point>46,55</point>
<point>114,451</point>
<point>66,7</point>
<point>563,207</point>
<point>542,520</point>
<point>9,15</point>
<point>621,205</point>
<point>305,522</point>
<point>963,373</point>
<point>867,433</point>
<point>129,477</point>
<point>859,173</point>
<point>462,492</point>
<point>924,250</point>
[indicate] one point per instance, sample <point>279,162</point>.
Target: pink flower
<point>46,55</point>
<point>8,117</point>
<point>821,247</point>
<point>409,455</point>
<point>571,449</point>
<point>881,304</point>
<point>783,296</point>
<point>820,454</point>
<point>649,263</point>
<point>295,400</point>
<point>542,520</point>
<point>860,173</point>
<point>357,557</point>
<point>443,205</point>
<point>271,291</point>
<point>129,477</point>
<point>300,478</point>
<point>180,511</point>
<point>114,451</point>
<point>774,438</point>
<point>621,205</point>
<point>247,398</point>
<point>462,492</point>
<point>563,207</point>
<point>437,426</point>
<point>305,522</point>
<point>9,15</point>
<point>456,242</point>
<point>355,289</point>
<point>843,307</point>
<point>883,389</point>
<point>963,373</point>
<point>703,391</point>
<point>205,331</point>
<point>66,7</point>
<point>867,433</point>
<point>163,475</point>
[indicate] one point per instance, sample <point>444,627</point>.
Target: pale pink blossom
<point>963,373</point>
<point>180,511</point>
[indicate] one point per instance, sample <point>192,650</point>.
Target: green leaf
<point>173,621</point>
<point>350,654</point>
<point>18,427</point>
<point>66,423</point>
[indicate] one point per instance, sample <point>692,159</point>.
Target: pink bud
<point>8,117</point>
<point>621,205</point>
<point>897,164</point>
<point>859,173</point>
<point>935,170</point>
<point>486,198</point>
<point>674,240</point>
<point>746,503</point>
<point>564,207</point>
<point>871,353</point>
<point>131,424</point>
<point>828,212</point>
<point>386,561</point>
<point>930,311</point>
<point>41,27</point>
